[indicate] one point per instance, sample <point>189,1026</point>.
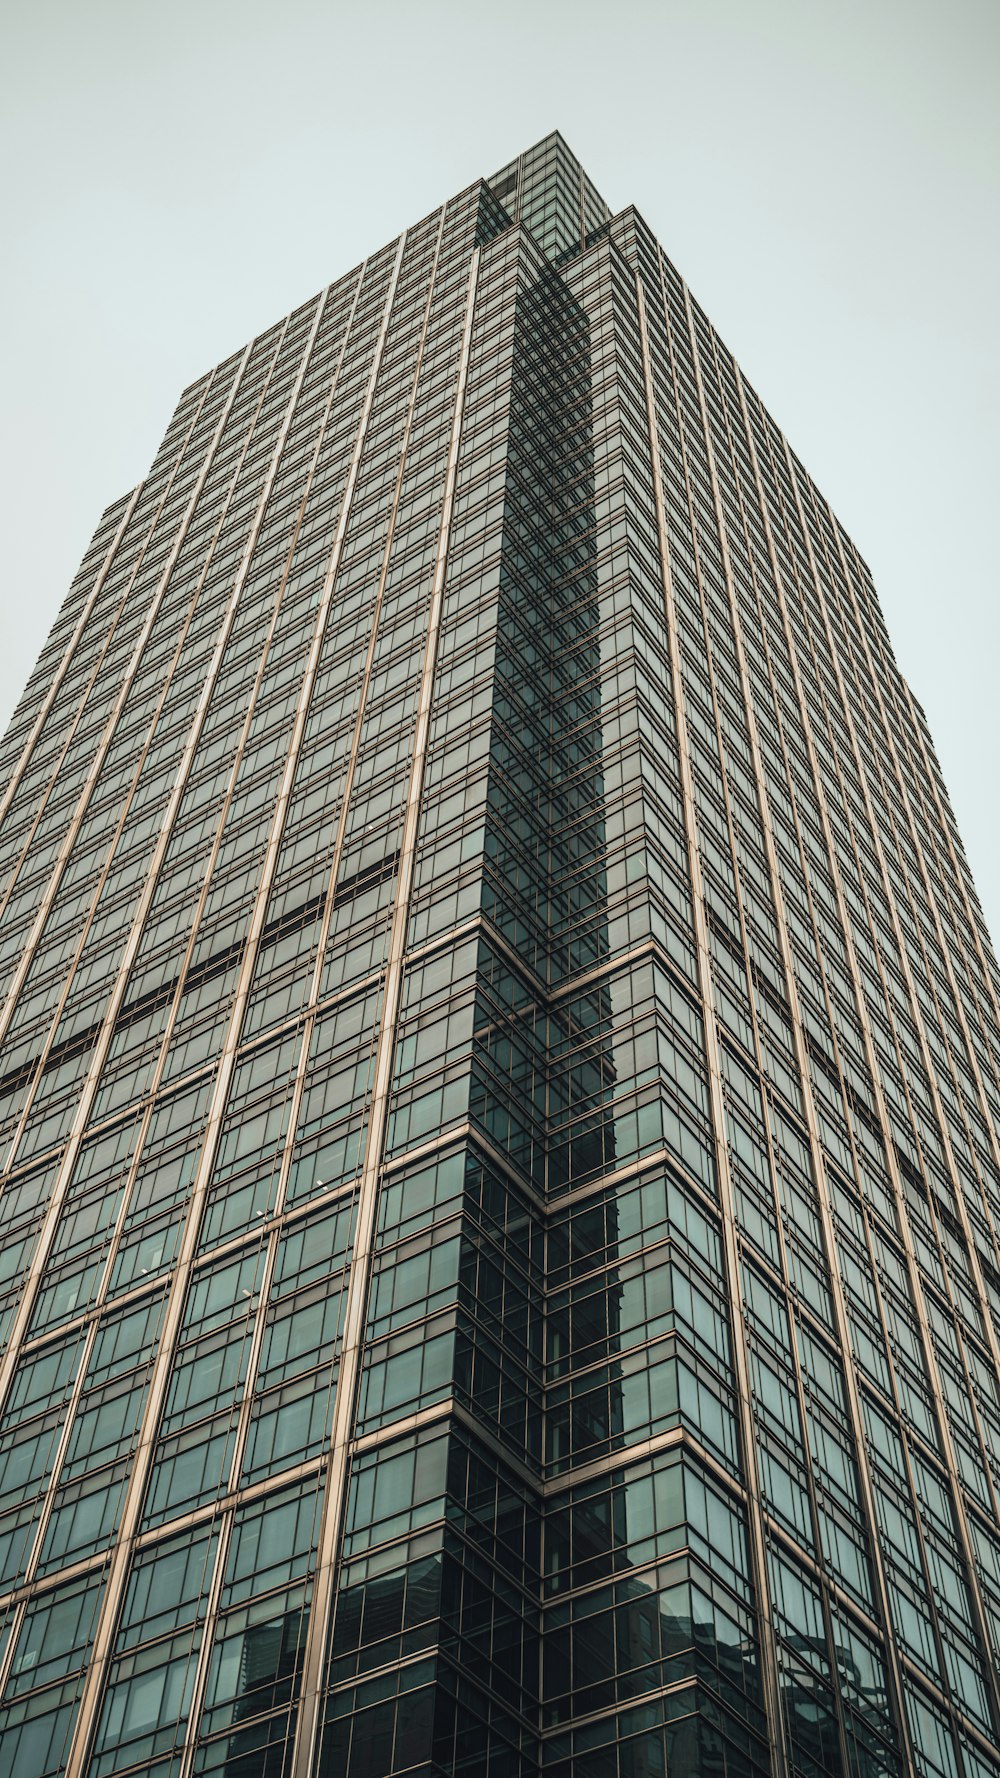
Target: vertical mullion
<point>67,657</point>
<point>944,949</point>
<point>135,788</point>
<point>944,1420</point>
<point>352,1346</point>
<point>781,921</point>
<point>232,605</point>
<point>79,715</point>
<point>755,1512</point>
<point>885,1123</point>
<point>103,1645</point>
<point>65,850</point>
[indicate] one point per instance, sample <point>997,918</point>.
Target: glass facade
<point>500,1077</point>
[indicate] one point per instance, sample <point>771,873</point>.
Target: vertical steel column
<point>79,627</point>
<point>973,916</point>
<point>242,572</point>
<point>755,1511</point>
<point>324,1587</point>
<point>144,749</point>
<point>916,1282</point>
<point>246,1410</point>
<point>805,1082</point>
<point>132,1510</point>
<point>877,1089</point>
<point>944,950</point>
<point>65,850</point>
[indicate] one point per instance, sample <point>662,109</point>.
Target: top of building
<point>547,189</point>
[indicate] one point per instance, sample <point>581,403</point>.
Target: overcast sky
<point>825,175</point>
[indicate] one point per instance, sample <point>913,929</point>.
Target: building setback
<point>499,1084</point>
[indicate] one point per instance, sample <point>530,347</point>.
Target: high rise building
<point>500,1222</point>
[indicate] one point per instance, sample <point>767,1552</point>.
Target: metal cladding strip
<point>780,916</point>
<point>913,1270</point>
<point>322,1608</point>
<point>961,1206</point>
<point>337,851</point>
<point>132,1510</point>
<point>26,1590</point>
<point>781,1269</point>
<point>972,921</point>
<point>14,1616</point>
<point>66,662</point>
<point>104,745</point>
<point>91,1333</point>
<point>64,665</point>
<point>755,1511</point>
<point>82,1113</point>
<point>212,671</point>
<point>973,916</point>
<point>210,1598</point>
<point>257,1340</point>
<point>135,787</point>
<point>80,713</point>
<point>864,1471</point>
<point>835,879</point>
<point>246,564</point>
<point>352,763</point>
<point>355,747</point>
<point>933,902</point>
<point>101,1294</point>
<point>993,1339</point>
<point>244,1413</point>
<point>805,1081</point>
<point>990,1335</point>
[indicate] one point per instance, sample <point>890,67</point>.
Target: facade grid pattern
<point>499,1076</point>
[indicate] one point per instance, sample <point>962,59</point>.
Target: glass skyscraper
<point>500,1078</point>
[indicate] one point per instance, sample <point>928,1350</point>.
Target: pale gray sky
<point>825,175</point>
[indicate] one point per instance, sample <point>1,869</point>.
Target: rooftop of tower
<point>547,188</point>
